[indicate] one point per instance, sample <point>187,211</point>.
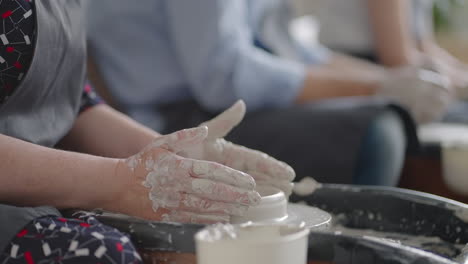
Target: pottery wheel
<point>313,217</point>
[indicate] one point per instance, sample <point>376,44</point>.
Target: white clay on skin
<point>149,164</point>
<point>174,185</point>
<point>222,175</point>
<point>202,186</point>
<point>132,162</point>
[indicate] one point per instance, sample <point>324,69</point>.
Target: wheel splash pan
<point>392,210</point>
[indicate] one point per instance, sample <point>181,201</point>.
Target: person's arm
<point>215,47</point>
<point>184,190</point>
<point>328,82</point>
<point>34,175</point>
<point>103,131</point>
<point>214,43</point>
<point>342,76</point>
<point>395,44</point>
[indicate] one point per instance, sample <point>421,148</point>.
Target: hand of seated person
<point>263,168</point>
<point>159,184</point>
<point>444,63</point>
<point>425,93</point>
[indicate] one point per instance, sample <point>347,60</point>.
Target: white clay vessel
<point>252,244</point>
<point>455,166</point>
<point>275,209</point>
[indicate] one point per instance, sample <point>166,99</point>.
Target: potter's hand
<point>426,94</point>
<point>180,189</point>
<point>265,169</point>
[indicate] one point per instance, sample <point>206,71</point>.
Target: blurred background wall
<point>452,26</point>
<point>450,17</point>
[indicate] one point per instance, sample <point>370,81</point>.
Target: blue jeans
<point>383,151</point>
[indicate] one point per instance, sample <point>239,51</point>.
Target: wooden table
<point>457,45</point>
<point>424,173</point>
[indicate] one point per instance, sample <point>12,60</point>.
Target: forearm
<point>33,175</point>
<point>103,131</point>
<point>324,84</point>
<point>342,76</point>
<point>395,45</point>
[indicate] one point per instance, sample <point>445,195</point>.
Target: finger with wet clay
<point>220,173</point>
<point>181,139</point>
<point>180,168</point>
<point>222,124</point>
<point>221,192</point>
<point>244,159</point>
<point>195,204</point>
<point>263,179</point>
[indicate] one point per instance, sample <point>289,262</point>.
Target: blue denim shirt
<point>162,51</point>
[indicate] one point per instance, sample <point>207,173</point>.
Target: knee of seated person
<point>109,246</point>
<point>383,151</point>
<point>84,241</point>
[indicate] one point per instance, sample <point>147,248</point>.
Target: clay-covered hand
<point>265,169</point>
<point>426,94</point>
<point>166,186</point>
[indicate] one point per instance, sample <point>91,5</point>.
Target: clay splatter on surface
<point>463,257</point>
<point>462,214</point>
<point>306,186</point>
<point>428,243</point>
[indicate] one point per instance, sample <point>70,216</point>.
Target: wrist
<point>104,185</point>
<point>126,193</point>
<point>326,84</point>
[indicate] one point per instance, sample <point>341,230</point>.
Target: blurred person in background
<point>173,63</point>
<point>393,33</point>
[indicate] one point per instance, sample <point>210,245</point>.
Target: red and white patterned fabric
<point>17,31</point>
<point>89,98</point>
<point>17,36</point>
<point>69,241</point>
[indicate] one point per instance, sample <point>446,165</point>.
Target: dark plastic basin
<point>392,210</point>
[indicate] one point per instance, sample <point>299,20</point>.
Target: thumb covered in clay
<point>221,125</point>
<point>181,139</point>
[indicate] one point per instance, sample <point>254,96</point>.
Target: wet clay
<point>306,186</point>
